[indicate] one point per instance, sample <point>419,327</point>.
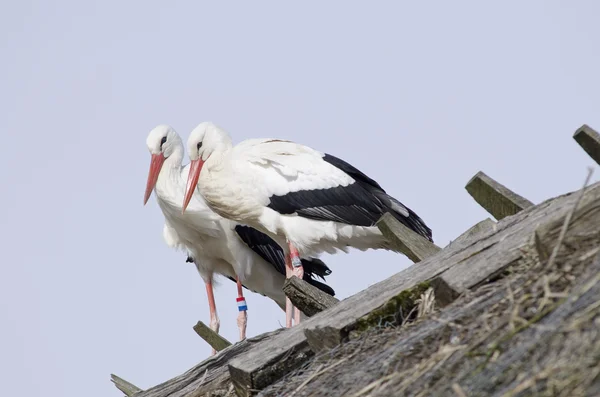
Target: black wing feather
<point>361,203</point>
<point>271,252</point>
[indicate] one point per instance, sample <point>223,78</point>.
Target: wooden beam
<point>211,376</point>
<point>589,140</point>
<point>494,197</point>
<point>463,276</point>
<point>310,300</point>
<point>459,267</point>
<point>268,362</point>
<point>215,340</point>
<point>403,239</point>
<point>126,387</point>
<point>475,231</point>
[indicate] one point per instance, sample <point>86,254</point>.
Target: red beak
<point>155,166</point>
<point>192,182</point>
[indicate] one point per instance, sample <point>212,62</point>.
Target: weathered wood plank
<point>465,266</point>
<point>584,221</point>
<point>411,244</point>
<point>494,197</point>
<point>310,300</point>
<point>464,275</point>
<point>211,375</point>
<point>475,231</point>
<point>455,346</point>
<point>126,387</point>
<point>215,340</point>
<point>268,362</point>
<point>445,291</point>
<point>589,140</point>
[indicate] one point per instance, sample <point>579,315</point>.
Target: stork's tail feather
<point>316,267</point>
<point>412,221</point>
<point>415,223</point>
<point>322,286</point>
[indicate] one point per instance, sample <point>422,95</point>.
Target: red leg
<point>297,271</point>
<point>214,317</point>
<point>242,320</point>
<point>289,308</point>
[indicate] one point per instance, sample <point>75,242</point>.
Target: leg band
<point>241,303</point>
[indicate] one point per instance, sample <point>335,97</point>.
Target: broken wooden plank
<point>411,244</point>
<point>589,140</point>
<point>310,300</point>
<point>494,197</point>
<point>211,376</point>
<point>463,276</point>
<point>126,387</point>
<point>475,231</point>
<point>215,340</point>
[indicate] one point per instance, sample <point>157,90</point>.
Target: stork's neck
<point>218,158</point>
<point>169,180</point>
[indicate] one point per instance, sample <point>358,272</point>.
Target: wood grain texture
<point>310,300</point>
<point>461,266</point>
<point>488,263</point>
<point>126,387</point>
<point>494,197</point>
<point>589,140</point>
<point>210,376</point>
<point>404,240</point>
<point>475,231</point>
<point>269,362</point>
<point>215,340</point>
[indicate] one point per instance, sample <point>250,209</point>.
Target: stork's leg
<point>297,269</point>
<point>289,308</point>
<point>242,320</point>
<point>214,317</point>
<point>293,268</point>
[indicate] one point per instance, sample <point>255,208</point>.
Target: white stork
<point>309,202</point>
<point>215,244</point>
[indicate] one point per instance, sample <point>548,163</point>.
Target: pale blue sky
<point>419,95</point>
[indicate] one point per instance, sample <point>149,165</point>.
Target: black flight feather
<point>361,203</point>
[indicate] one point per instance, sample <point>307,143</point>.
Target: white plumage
<point>212,241</point>
<point>242,182</point>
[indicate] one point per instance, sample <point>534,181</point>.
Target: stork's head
<point>162,142</point>
<point>204,141</point>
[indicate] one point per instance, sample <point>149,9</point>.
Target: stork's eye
<point>162,141</point>
<point>199,145</point>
